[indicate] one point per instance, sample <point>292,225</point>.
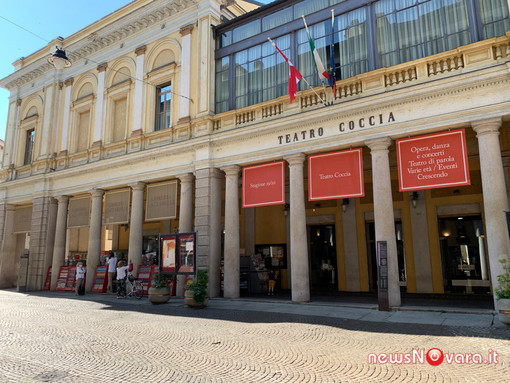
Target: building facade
<point>403,70</point>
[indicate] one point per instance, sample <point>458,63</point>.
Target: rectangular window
<point>163,103</point>
<point>494,17</point>
<point>29,146</point>
<point>222,84</point>
<point>261,74</point>
<point>411,29</point>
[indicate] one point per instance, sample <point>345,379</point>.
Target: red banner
<point>264,185</point>
<point>335,175</point>
<point>433,161</point>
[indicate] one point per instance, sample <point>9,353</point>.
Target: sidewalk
<point>427,315</point>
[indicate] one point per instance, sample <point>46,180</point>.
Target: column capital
<point>140,50</point>
<point>62,199</point>
<point>489,125</point>
<point>186,178</point>
<point>96,192</point>
<point>18,102</point>
<point>102,67</point>
<point>10,207</point>
<point>379,144</point>
<point>295,159</point>
<point>69,81</point>
<point>232,170</point>
<point>137,186</point>
<point>186,30</point>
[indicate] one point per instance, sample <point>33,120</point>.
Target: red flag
<point>294,75</point>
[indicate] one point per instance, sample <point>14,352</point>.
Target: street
<point>59,337</point>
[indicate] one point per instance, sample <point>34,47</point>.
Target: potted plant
<point>196,291</point>
<point>503,293</point>
<point>159,292</point>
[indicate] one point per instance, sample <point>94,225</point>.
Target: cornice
<point>103,38</point>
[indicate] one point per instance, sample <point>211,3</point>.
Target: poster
<point>264,185</point>
<point>168,253</point>
<point>433,161</point>
<point>335,175</point>
<point>187,246</point>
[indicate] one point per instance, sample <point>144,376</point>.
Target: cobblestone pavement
<point>50,337</point>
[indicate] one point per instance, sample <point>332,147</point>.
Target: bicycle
<point>134,287</point>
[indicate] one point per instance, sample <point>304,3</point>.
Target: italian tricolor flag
<point>323,73</point>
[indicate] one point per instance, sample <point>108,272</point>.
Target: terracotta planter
<point>190,302</point>
<point>159,295</point>
<point>504,311</point>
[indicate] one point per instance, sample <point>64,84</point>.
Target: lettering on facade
<point>344,126</point>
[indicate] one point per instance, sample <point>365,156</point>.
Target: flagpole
<point>323,86</point>
<point>302,78</point>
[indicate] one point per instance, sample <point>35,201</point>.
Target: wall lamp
<point>59,59</point>
<point>345,203</point>
<point>414,198</point>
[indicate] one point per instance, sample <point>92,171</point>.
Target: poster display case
<point>177,253</point>
<point>66,278</point>
<point>145,275</point>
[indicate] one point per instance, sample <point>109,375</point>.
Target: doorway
<point>323,259</point>
<point>463,255</point>
<point>372,255</point>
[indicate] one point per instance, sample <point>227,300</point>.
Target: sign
<point>382,275</point>
<point>116,207</point>
<point>264,185</point>
<point>22,220</point>
<point>433,161</point>
<point>335,175</point>
<point>100,279</point>
<point>168,245</point>
<point>79,212</point>
<point>161,201</point>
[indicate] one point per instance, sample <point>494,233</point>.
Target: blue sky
<point>47,19</point>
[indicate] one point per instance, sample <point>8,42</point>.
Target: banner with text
<point>264,185</point>
<point>161,201</point>
<point>116,207</point>
<point>335,175</point>
<point>433,161</point>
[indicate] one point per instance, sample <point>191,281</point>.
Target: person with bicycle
<point>122,270</point>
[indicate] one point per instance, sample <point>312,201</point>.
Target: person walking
<point>112,269</point>
<point>80,276</point>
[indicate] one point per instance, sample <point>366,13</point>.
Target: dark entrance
<point>323,265</point>
<point>463,255</point>
<point>372,255</point>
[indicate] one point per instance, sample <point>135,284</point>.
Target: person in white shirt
<point>80,276</point>
<point>121,279</point>
<point>112,269</point>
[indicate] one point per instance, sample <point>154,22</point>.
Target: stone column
<point>383,212</point>
<point>232,234</point>
<point>300,279</point>
<point>50,108</point>
<point>97,137</point>
<point>185,74</point>
<point>495,200</point>
<point>66,124</point>
<point>138,107</point>
<point>8,248</point>
<point>39,228</point>
<point>94,245</point>
<point>350,239</point>
<point>136,226</point>
<point>60,240</point>
<point>50,240</point>
<point>185,218</point>
<point>421,248</point>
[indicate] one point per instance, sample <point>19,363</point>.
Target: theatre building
<point>402,166</point>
